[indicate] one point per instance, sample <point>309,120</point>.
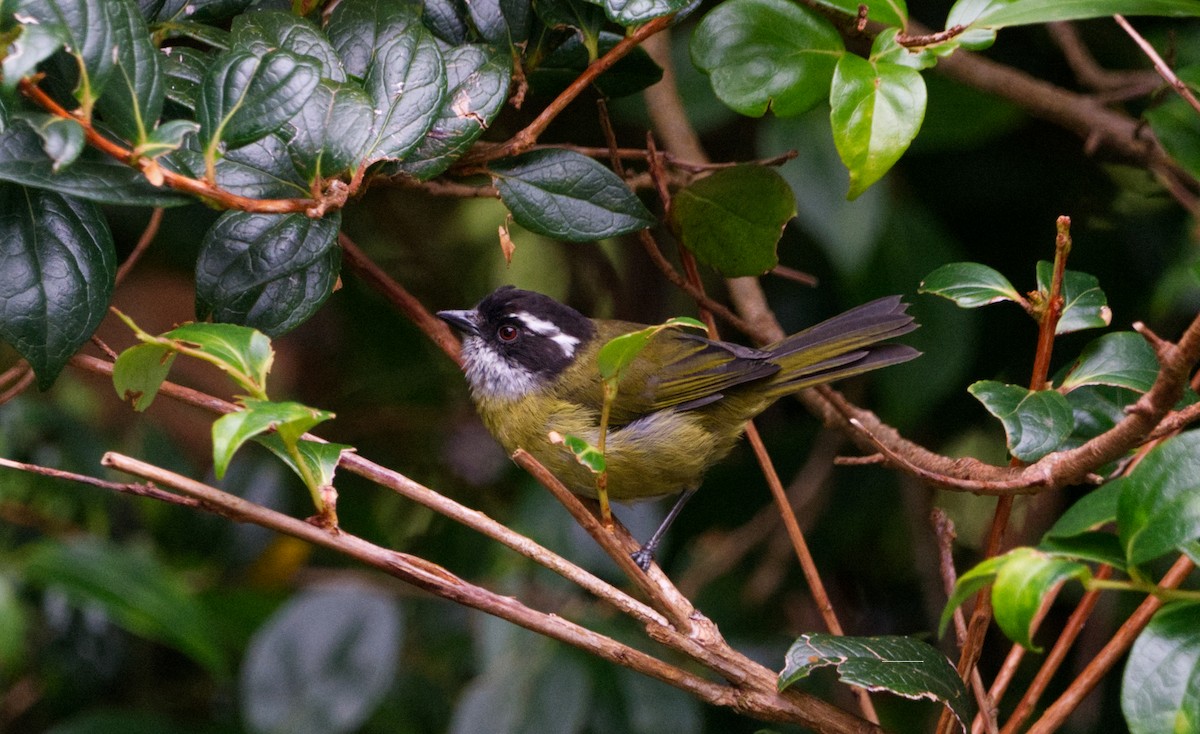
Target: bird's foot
<point>643,557</point>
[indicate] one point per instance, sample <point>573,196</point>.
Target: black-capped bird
<point>680,406</point>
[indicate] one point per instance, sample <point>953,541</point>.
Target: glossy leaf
<point>262,169</point>
<point>257,417</point>
<point>636,12</point>
<point>762,54</point>
<point>1000,13</point>
<point>1080,531</point>
<point>135,591</point>
<point>168,137</point>
<point>1084,304</point>
<point>269,271</point>
<point>1036,423</point>
<point>183,72</point>
<point>320,459</point>
<point>1159,509</point>
<point>563,194</point>
<point>384,43</point>
<point>59,269</point>
<point>139,372</point>
<point>902,665</point>
<point>1160,689</point>
<point>245,97</point>
<point>733,219</point>
<point>236,350</point>
<point>477,80</point>
<point>877,109</point>
<point>446,19</point>
<point>89,36</point>
<point>885,48</point>
<point>1097,408</point>
<point>501,22</point>
<point>31,44</point>
<point>62,138</point>
<point>133,100</point>
<point>586,18</point>
<point>263,32</point>
<point>888,12</point>
<point>334,645</point>
<point>201,10</point>
<point>332,130</point>
<point>633,73</point>
<point>970,285</point>
<point>93,175</point>
<point>1119,359</point>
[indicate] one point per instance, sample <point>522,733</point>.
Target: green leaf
<point>1097,408</point>
<point>1093,510</point>
<point>446,19</point>
<point>733,219</point>
<point>902,665</point>
<point>200,10</point>
<point>877,109</point>
<point>579,15</point>
<point>586,454</point>
<point>566,195</point>
<point>262,169</point>
<point>620,351</point>
<point>33,44</point>
<point>136,592</point>
<point>89,37</point>
<point>1084,304</point>
<point>244,97</point>
<point>320,459</point>
<point>384,43</point>
<point>1021,585</point>
<point>477,80</point>
<point>336,644</point>
<point>262,32</point>
<point>1174,123</point>
<point>232,430</point>
<point>501,22</point>
<point>968,585</point>
<point>133,100</point>
<point>888,12</point>
<point>635,12</point>
<point>236,350</point>
<point>970,285</point>
<point>1036,423</point>
<point>1160,689</point>
<point>762,54</point>
<point>183,73</point>
<point>139,371</point>
<point>885,48</point>
<point>1159,509</point>
<point>59,269</point>
<point>269,271</point>
<point>168,137</point>
<point>62,138</point>
<point>93,175</point>
<point>1001,13</point>
<point>633,73</point>
<point>332,130</point>
<point>1119,359</point>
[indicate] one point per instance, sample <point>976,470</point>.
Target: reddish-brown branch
<point>1160,66</point>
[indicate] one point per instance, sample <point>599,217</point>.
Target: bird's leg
<point>644,556</point>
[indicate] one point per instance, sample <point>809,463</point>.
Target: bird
<point>680,406</point>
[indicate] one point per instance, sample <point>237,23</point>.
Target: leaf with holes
<point>139,372</point>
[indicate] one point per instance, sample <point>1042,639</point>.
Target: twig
<point>1090,73</point>
<point>1159,65</point>
<point>138,490</point>
<point>143,243</point>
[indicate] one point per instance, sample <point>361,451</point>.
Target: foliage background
<point>983,182</point>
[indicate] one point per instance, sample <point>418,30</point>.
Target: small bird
<point>680,406</point>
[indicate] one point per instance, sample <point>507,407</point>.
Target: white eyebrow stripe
<point>550,330</point>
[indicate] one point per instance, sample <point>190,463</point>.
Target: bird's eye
<point>507,333</point>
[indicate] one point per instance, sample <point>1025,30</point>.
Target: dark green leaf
<point>183,70</point>
<point>335,644</point>
<point>168,137</point>
<point>877,111</point>
<point>266,31</point>
<point>1084,304</point>
<point>201,10</point>
<point>135,590</point>
<point>332,130</point>
<point>1096,547</point>
<point>630,75</point>
<point>635,12</point>
<point>210,36</point>
<point>269,271</point>
<point>133,101</point>
<point>1022,582</point>
<point>563,194</point>
<point>139,372</point>
<point>232,430</point>
<point>477,79</point>
<point>59,268</point>
<point>233,349</point>
<point>1160,690</point>
<point>320,459</point>
<point>1159,509</point>
<point>970,285</point>
<point>262,169</point>
<point>245,97</point>
<point>62,138</point>
<point>888,12</point>
<point>1036,423</point>
<point>446,19</point>
<point>384,43</point>
<point>89,38</point>
<point>902,665</point>
<point>34,43</point>
<point>733,219</point>
<point>764,54</point>
<point>1092,511</point>
<point>93,176</point>
<point>580,15</point>
<point>1119,359</point>
<point>501,22</point>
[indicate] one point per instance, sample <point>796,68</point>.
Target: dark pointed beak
<point>464,321</point>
